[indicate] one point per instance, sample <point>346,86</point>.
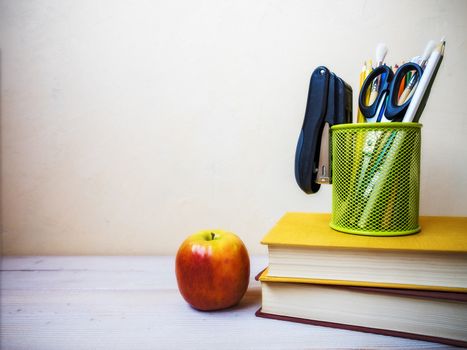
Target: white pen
<point>424,82</point>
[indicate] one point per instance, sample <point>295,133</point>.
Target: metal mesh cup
<point>376,178</point>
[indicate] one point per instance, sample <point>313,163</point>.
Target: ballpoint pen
<point>419,97</point>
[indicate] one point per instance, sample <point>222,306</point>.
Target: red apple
<point>213,269</point>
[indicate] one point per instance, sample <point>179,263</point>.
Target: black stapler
<point>329,103</point>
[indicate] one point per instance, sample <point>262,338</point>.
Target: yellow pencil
<point>369,68</point>
<point>360,117</point>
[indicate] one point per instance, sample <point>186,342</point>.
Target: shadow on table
<point>251,298</point>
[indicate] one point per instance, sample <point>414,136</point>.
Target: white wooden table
<point>133,303</point>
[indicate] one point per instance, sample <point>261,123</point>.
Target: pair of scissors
<point>386,106</point>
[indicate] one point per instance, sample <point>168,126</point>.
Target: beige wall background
<point>127,125</point>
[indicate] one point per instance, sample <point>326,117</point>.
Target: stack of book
<point>409,286</point>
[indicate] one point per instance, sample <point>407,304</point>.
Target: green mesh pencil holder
<point>376,178</point>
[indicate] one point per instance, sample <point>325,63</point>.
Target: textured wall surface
<point>127,125</point>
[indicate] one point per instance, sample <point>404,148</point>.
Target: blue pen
<point>383,106</point>
<point>382,110</point>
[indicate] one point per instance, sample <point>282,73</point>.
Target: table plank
<point>133,303</point>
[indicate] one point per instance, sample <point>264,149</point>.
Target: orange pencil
<point>401,87</point>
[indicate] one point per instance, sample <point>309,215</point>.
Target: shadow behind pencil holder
<point>376,178</point>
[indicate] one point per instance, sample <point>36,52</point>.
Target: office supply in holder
<point>362,77</point>
<point>410,88</point>
<point>410,107</point>
<point>420,96</point>
<point>385,106</point>
<point>430,46</point>
<point>389,156</point>
<point>329,103</point>
<point>376,179</point>
<point>381,52</point>
<point>388,93</point>
<point>400,95</point>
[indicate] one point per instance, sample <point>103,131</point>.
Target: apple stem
<point>213,235</point>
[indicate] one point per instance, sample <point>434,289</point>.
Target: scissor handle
<point>386,75</point>
<point>394,111</point>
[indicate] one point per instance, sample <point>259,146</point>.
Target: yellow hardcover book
<point>303,246</point>
<point>436,316</point>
